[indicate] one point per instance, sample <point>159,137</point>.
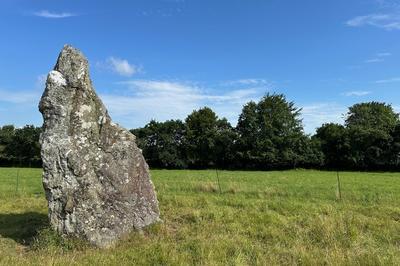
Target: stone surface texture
<point>97,183</point>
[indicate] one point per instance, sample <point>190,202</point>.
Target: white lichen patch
<point>81,72</point>
<point>68,152</point>
<point>83,109</point>
<point>126,176</point>
<point>57,78</point>
<point>86,125</point>
<point>102,120</point>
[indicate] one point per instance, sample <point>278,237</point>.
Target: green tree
<point>6,135</point>
<point>271,133</point>
<point>370,127</point>
<point>372,115</point>
<point>24,147</point>
<point>248,130</point>
<point>395,147</point>
<point>225,139</point>
<point>162,143</point>
<point>310,152</point>
<point>335,145</point>
<point>208,139</point>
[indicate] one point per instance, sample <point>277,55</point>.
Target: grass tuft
<point>48,239</point>
<point>207,187</point>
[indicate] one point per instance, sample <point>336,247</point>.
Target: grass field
<point>261,218</point>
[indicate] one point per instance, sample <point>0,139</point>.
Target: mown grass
<point>261,218</point>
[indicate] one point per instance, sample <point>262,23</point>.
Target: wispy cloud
<point>396,79</point>
<point>314,115</point>
<point>387,21</point>
<point>144,100</point>
<point>374,60</point>
<point>249,82</point>
<point>54,15</point>
<point>120,66</point>
<point>385,54</point>
<point>19,97</point>
<point>379,57</point>
<point>162,100</point>
<point>388,3</point>
<point>355,93</point>
<point>40,82</point>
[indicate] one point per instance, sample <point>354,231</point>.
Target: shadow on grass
<point>22,227</point>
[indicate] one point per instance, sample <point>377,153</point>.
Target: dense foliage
<point>20,146</point>
<point>269,135</point>
<point>368,140</point>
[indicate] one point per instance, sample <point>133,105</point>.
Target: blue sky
<point>162,59</point>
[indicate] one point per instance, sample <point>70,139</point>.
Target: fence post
<point>338,185</point>
<point>16,187</point>
<point>219,185</point>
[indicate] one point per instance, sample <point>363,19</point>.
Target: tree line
<point>269,135</point>
<point>20,146</point>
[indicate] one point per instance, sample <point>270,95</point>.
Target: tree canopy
<point>268,135</point>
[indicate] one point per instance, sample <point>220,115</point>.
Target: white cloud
<point>374,60</point>
<point>49,14</point>
<point>389,21</point>
<point>144,100</point>
<point>251,81</point>
<point>388,3</point>
<point>355,93</point>
<point>28,97</point>
<point>41,82</point>
<point>379,58</point>
<point>314,115</point>
<point>120,66</point>
<point>162,100</point>
<point>248,82</point>
<point>385,54</point>
<point>397,79</point>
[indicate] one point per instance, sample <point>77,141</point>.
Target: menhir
<point>96,180</point>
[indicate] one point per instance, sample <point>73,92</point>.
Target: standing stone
<point>96,180</point>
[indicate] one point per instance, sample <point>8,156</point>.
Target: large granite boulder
<point>96,180</point>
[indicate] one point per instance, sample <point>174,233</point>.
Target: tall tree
<point>370,128</point>
<point>207,138</point>
<point>271,133</point>
<point>372,115</point>
<point>335,145</point>
<point>248,130</point>
<point>225,139</point>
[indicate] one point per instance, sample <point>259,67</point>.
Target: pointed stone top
<point>73,65</point>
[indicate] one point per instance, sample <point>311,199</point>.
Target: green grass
<point>261,218</point>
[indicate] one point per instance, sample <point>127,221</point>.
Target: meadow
<point>260,218</point>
